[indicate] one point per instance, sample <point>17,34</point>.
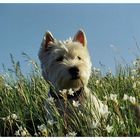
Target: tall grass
<point>22,110</point>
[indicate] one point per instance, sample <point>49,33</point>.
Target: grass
<point>22,111</point>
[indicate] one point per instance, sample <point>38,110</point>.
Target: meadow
<point>22,97</point>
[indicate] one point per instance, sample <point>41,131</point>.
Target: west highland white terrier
<point>67,66</point>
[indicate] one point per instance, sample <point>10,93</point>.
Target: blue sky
<point>109,28</point>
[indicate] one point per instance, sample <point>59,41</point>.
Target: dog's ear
<point>80,37</point>
<point>48,39</point>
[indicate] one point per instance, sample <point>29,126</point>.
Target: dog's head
<point>66,64</point>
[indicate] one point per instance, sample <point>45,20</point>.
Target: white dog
<point>67,65</point>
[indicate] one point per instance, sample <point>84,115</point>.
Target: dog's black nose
<point>74,72</point>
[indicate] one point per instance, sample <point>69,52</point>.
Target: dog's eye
<point>59,59</point>
<point>79,57</point>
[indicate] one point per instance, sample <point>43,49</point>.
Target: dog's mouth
<point>75,78</point>
<point>76,82</point>
<point>71,82</point>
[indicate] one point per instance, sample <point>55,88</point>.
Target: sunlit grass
<point>22,111</point>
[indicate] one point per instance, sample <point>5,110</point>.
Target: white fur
<point>58,72</point>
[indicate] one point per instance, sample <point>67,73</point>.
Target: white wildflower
<point>104,110</point>
<point>113,97</point>
<point>16,87</point>
<point>122,107</point>
<point>96,71</point>
<point>20,128</point>
<point>132,99</point>
<point>8,87</point>
<point>134,85</point>
<point>8,118</point>
<point>23,133</point>
<point>94,124</point>
<point>136,63</point>
<point>70,92</point>
<point>105,97</point>
<point>97,82</point>
<point>43,129</point>
<point>109,128</point>
<point>17,133</point>
<point>133,71</point>
<point>63,92</point>
<point>51,122</point>
<point>3,118</point>
<point>35,134</point>
<point>50,99</point>
<point>132,77</point>
<point>75,103</point>
<point>14,116</point>
<point>71,134</point>
<point>125,97</point>
<point>129,98</point>
<point>125,77</point>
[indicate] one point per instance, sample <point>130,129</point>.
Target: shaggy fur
<point>67,65</point>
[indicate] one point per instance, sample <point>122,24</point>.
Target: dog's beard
<point>67,83</point>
